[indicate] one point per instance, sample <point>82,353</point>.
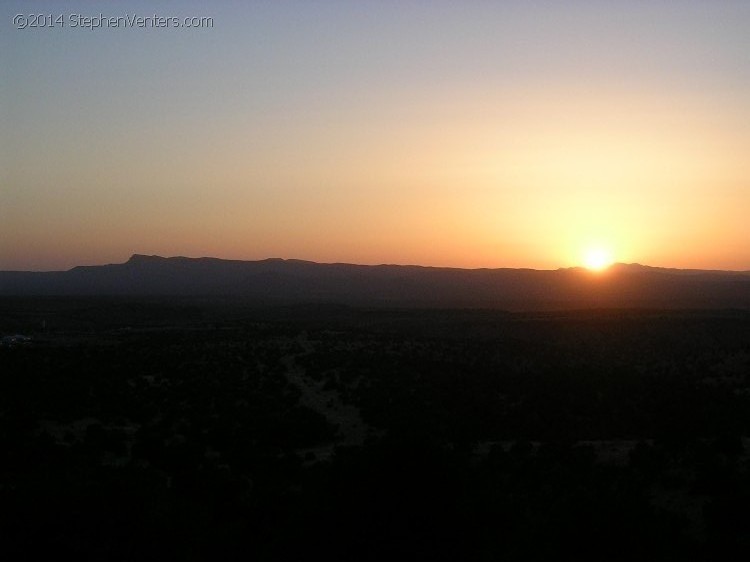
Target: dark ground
<point>203,429</point>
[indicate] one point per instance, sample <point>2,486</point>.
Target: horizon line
<point>137,255</point>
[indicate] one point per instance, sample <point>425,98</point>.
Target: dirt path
<point>351,429</point>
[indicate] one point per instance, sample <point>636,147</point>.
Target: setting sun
<point>597,259</point>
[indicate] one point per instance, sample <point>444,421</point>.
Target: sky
<point>464,134</point>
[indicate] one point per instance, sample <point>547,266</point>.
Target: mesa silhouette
<point>282,281</point>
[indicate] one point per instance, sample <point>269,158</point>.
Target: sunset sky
<point>467,134</point>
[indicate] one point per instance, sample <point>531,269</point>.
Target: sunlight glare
<point>597,259</point>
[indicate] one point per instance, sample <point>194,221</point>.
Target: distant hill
<point>280,281</point>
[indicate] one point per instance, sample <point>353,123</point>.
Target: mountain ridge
<point>135,258</point>
<point>282,281</point>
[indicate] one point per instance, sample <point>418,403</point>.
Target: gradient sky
<point>469,134</point>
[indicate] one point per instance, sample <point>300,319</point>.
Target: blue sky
<point>442,133</point>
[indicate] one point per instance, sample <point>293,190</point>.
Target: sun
<point>597,259</point>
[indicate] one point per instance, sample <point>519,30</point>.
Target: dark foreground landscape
<point>192,429</point>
